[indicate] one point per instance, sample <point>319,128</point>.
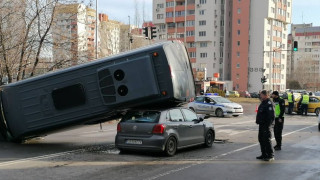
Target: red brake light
<point>158,129</point>
<point>118,127</point>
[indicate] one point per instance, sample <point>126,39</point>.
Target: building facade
<point>303,64</point>
<point>269,21</point>
<point>74,34</point>
<point>201,25</point>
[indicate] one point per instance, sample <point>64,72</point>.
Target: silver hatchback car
<point>163,130</point>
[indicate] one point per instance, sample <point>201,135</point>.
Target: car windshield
<point>141,117</point>
<point>221,100</point>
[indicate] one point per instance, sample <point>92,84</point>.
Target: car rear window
<point>141,117</point>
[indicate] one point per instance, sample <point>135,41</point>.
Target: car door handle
<point>175,127</point>
<point>190,126</point>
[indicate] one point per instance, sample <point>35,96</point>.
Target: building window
<point>237,86</point>
<point>190,23</point>
<point>169,14</point>
<point>238,43</point>
<point>239,10</point>
<point>307,49</point>
<point>268,43</point>
<point>203,55</point>
<point>202,12</point>
<point>190,33</point>
<point>288,4</point>
<point>238,76</point>
<point>202,23</point>
<point>238,32</point>
<point>238,65</point>
<point>192,54</point>
<point>159,16</point>
<point>203,1</point>
<point>202,33</point>
<point>170,4</point>
<point>272,10</point>
<point>160,5</point>
<point>191,45</point>
<point>238,54</point>
<point>203,44</point>
<point>180,13</point>
<point>190,12</point>
<point>239,21</point>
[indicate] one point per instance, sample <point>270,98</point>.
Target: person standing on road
<point>265,119</point>
<point>279,120</point>
<point>304,103</point>
<point>291,102</point>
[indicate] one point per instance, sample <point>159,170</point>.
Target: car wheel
<point>235,115</point>
<point>317,111</point>
<point>219,113</point>
<point>209,138</point>
<point>171,146</point>
<point>319,126</point>
<point>123,151</point>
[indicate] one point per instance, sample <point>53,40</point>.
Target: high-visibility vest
<point>290,100</point>
<point>305,99</point>
<point>277,108</point>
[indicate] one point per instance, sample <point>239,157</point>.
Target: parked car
<point>254,95</point>
<point>164,130</point>
<point>319,123</point>
<point>234,94</point>
<point>247,94</point>
<point>313,106</point>
<point>215,105</point>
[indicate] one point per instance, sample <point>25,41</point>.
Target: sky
<point>120,10</point>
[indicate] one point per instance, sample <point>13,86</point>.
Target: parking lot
<point>87,152</point>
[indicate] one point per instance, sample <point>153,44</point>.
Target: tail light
<point>158,129</point>
<point>118,127</point>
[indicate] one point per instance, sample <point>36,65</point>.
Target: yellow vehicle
<point>313,106</point>
<point>233,94</point>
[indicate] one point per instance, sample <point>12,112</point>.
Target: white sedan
<point>215,105</point>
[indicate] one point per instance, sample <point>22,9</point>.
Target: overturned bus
<point>157,74</point>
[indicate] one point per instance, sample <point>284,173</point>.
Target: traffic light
<point>295,46</point>
<point>263,80</point>
<point>146,31</point>
<point>153,32</point>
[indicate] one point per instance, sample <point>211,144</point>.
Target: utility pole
<point>96,29</point>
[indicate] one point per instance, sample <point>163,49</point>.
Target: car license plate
<point>239,110</point>
<point>133,141</point>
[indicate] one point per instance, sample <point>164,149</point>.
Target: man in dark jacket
<point>279,120</point>
<point>265,119</point>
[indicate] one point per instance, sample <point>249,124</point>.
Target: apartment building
<point>269,21</point>
<point>201,25</point>
<point>303,65</point>
<point>109,33</point>
<point>74,34</point>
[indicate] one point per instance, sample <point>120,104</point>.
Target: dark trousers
<point>304,108</point>
<point>265,141</point>
<point>278,127</point>
<point>290,109</point>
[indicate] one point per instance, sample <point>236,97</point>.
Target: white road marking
<point>8,163</point>
<point>237,123</point>
<point>218,156</point>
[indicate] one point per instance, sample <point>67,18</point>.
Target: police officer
<point>279,120</point>
<point>265,119</point>
<point>291,102</point>
<point>304,103</point>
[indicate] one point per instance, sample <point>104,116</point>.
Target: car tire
<point>209,139</point>
<point>317,111</point>
<point>235,115</point>
<point>123,151</point>
<point>171,146</point>
<point>319,126</point>
<point>219,113</point>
